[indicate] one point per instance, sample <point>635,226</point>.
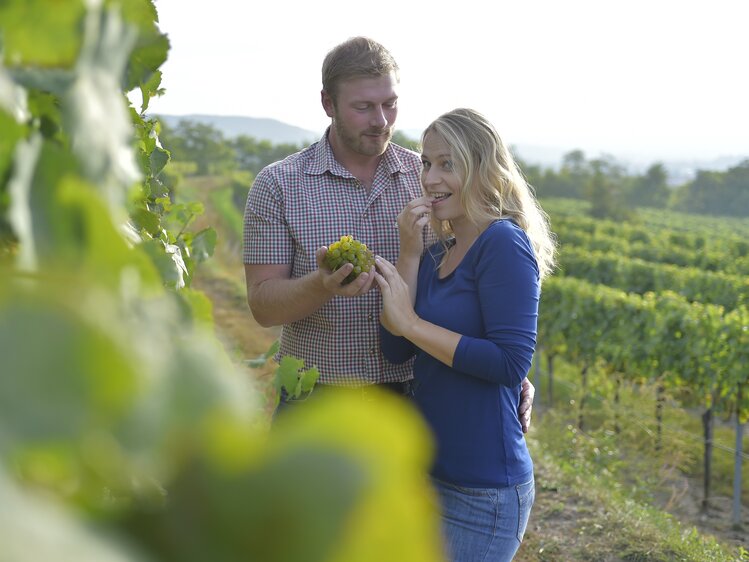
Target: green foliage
<point>52,41</point>
<point>716,193</point>
<point>224,201</point>
<point>674,244</point>
<point>259,361</point>
<point>692,345</point>
<point>212,153</point>
<point>615,476</point>
<point>253,155</point>
<point>404,140</point>
<point>651,189</point>
<point>292,377</point>
<point>127,432</point>
<point>200,143</point>
<point>605,190</point>
<point>606,185</point>
<point>634,275</point>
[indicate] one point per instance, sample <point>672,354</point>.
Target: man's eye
<point>425,164</point>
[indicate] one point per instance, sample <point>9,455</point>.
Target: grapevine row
<point>667,249</point>
<point>635,275</point>
<point>689,346</point>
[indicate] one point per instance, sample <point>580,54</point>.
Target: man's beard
<point>367,146</point>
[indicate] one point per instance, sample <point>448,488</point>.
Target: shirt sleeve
<point>396,349</point>
<point>266,236</point>
<point>508,289</point>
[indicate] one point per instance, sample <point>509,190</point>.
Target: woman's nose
<point>430,177</point>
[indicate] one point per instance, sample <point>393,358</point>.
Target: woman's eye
<point>448,165</point>
<point>425,164</point>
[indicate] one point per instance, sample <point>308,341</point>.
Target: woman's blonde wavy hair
<point>493,185</point>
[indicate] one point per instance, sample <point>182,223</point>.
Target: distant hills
<point>279,132</point>
<point>231,126</point>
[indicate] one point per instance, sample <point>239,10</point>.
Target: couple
<point>458,279</point>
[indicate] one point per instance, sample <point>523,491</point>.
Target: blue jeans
<point>484,524</point>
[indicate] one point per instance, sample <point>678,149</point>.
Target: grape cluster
<point>348,250</point>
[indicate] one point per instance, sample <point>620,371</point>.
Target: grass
<point>581,514</point>
<point>682,432</point>
<point>613,495</point>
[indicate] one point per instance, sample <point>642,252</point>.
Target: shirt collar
<point>324,160</point>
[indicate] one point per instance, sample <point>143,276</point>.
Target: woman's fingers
<point>415,209</point>
<point>422,221</point>
<point>381,282</point>
<point>385,267</point>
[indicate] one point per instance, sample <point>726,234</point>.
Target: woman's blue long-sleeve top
<point>491,299</point>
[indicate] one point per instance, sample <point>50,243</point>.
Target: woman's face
<point>439,178</point>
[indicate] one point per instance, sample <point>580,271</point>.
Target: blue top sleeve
<point>507,285</point>
<point>491,299</point>
<point>396,349</point>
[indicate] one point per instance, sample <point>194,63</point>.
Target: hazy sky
<point>661,78</point>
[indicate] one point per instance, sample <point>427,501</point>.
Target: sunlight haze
<point>655,79</point>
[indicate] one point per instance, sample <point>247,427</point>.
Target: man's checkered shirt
<point>309,200</point>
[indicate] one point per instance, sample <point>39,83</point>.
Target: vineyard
<point>647,305</point>
<point>584,435</point>
<point>135,389</point>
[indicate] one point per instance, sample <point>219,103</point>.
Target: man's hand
<point>332,280</point>
<point>526,404</point>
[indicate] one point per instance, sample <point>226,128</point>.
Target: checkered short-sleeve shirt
<point>309,200</point>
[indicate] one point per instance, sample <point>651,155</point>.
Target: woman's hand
<point>411,221</point>
<point>398,315</point>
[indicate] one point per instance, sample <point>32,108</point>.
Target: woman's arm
<point>400,319</point>
<point>508,290</point>
<point>396,349</point>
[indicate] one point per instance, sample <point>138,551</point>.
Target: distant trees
<point>651,189</point>
<point>603,181</point>
<point>404,140</point>
<point>611,191</point>
<point>212,153</point>
<point>200,143</point>
<point>253,155</point>
<point>716,193</point>
<point>605,189</point>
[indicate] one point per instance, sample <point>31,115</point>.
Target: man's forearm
<point>274,302</point>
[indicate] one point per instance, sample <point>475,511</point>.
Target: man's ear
<point>327,103</point>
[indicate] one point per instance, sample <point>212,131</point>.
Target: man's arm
<point>275,298</point>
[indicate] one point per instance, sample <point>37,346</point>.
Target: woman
<point>468,309</point>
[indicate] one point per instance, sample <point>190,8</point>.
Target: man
<point>353,181</point>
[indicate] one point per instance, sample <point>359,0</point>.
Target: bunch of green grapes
<point>348,250</point>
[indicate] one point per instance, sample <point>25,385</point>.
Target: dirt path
<point>242,337</point>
